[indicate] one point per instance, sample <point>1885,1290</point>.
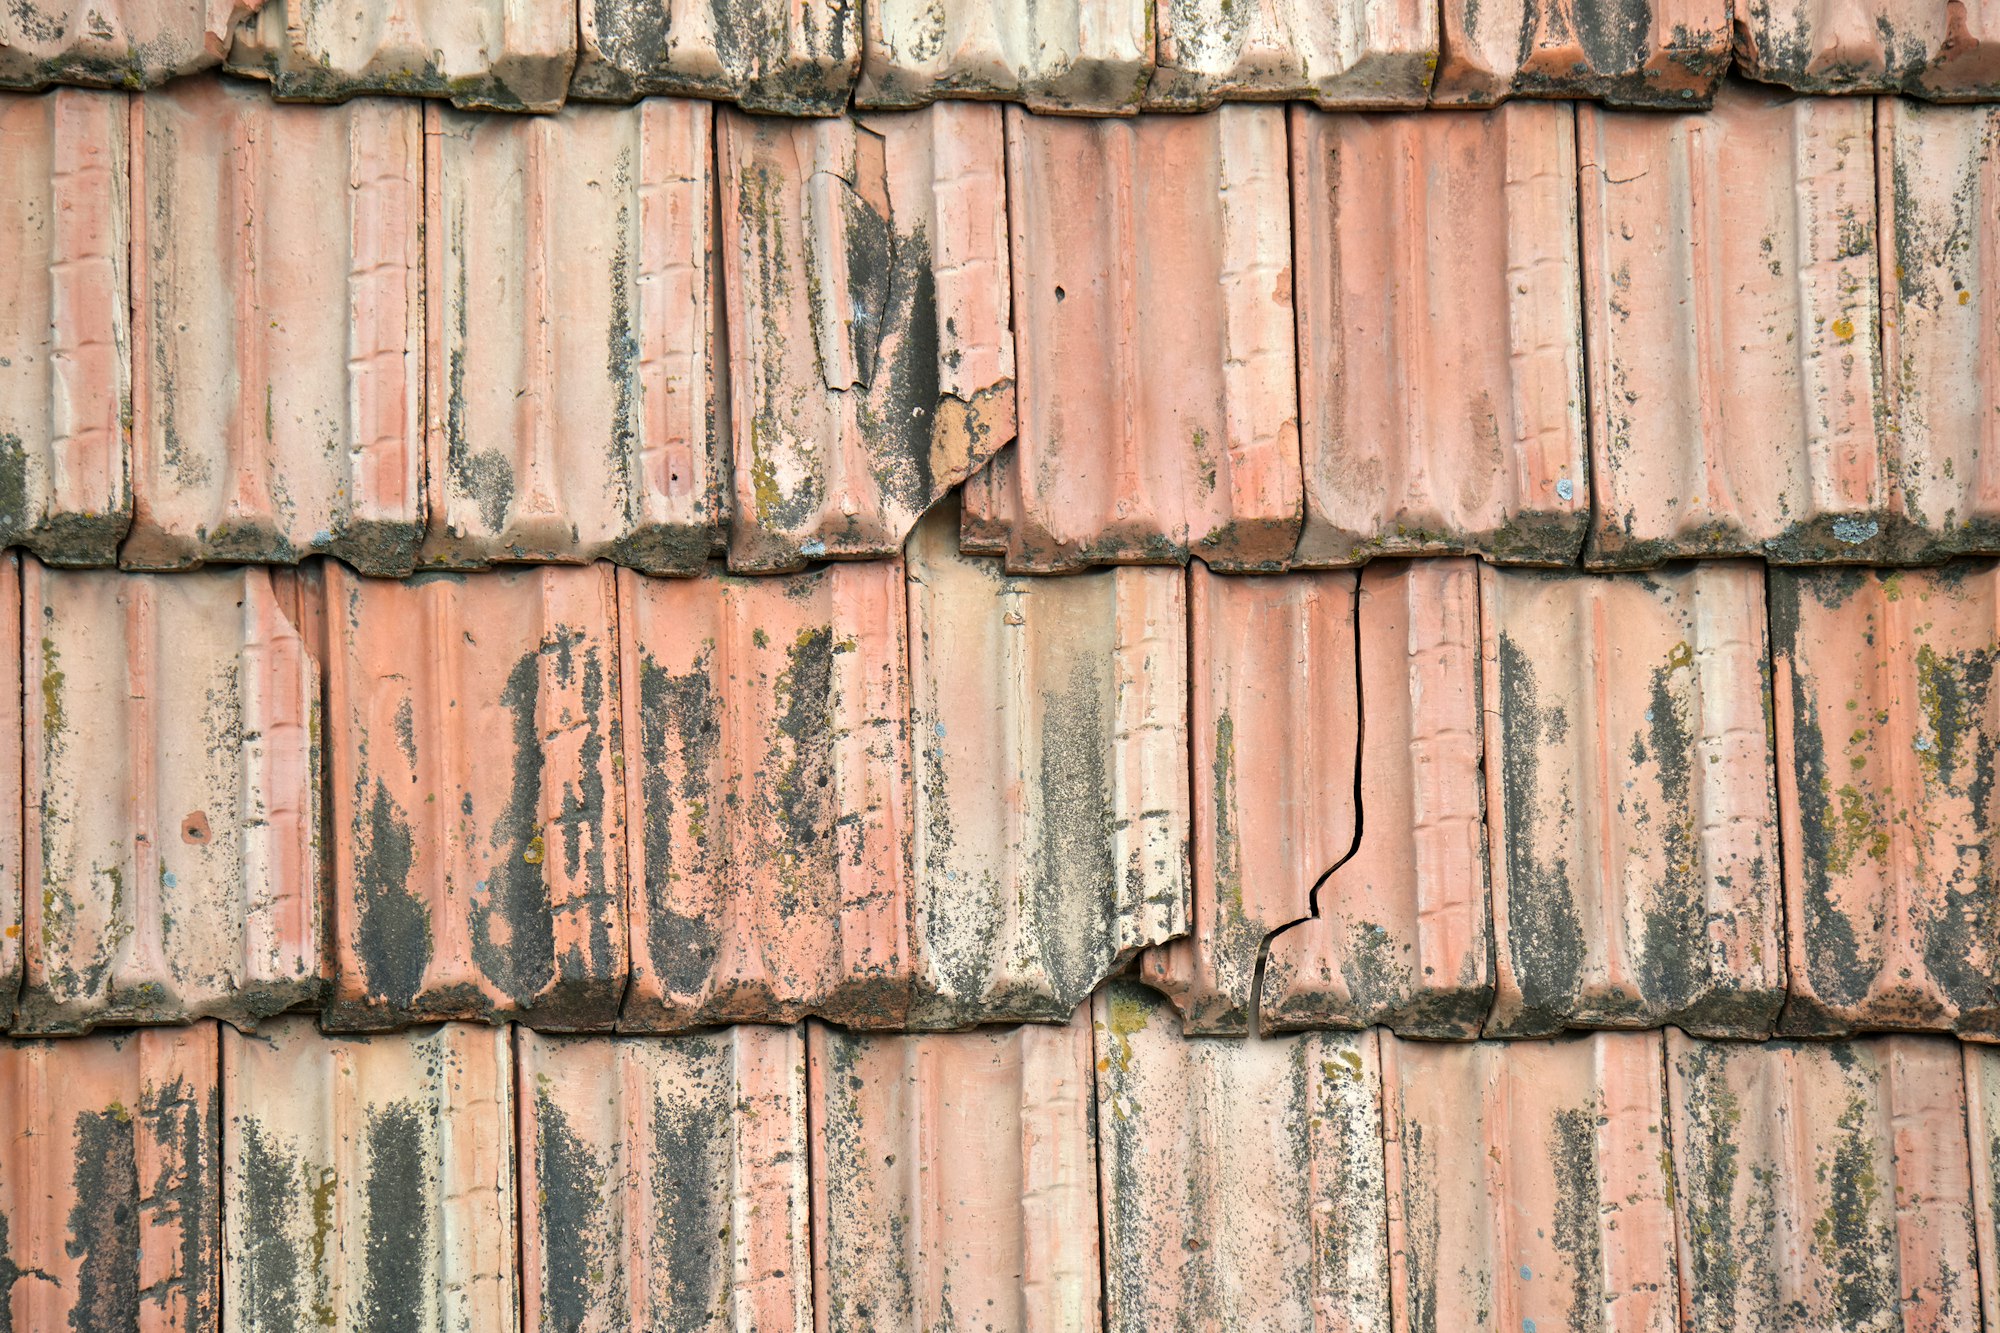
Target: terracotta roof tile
<point>277,282</point>
<point>1936,50</point>
<point>793,57</point>
<point>1081,56</point>
<point>1982,1110</point>
<point>13,773</point>
<point>173,833</point>
<point>1649,53</point>
<point>114,43</point>
<point>1353,53</point>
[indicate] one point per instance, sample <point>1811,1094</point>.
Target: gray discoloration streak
<point>679,715</point>
<point>580,1270</point>
<point>689,1159</point>
<point>104,1223</point>
<point>393,935</point>
<point>869,1283</point>
<point>1545,934</point>
<point>1578,1236</point>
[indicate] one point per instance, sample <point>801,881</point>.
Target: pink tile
<point>1630,806</point>
<point>1529,1185</point>
<point>791,57</point>
<point>1649,53</point>
<point>488,55</point>
<point>1145,439</point>
<point>65,383</point>
<point>1440,377</point>
<point>173,799</point>
<point>1050,809</point>
<point>954,1179</point>
<point>1352,53</point>
<point>13,769</point>
<point>1982,1113</point>
<point>1931,49</point>
<point>278,296</point>
<point>1886,734</point>
<point>554,238</point>
<point>109,1188</point>
<point>1730,271</point>
<point>1276,736</point>
<point>1242,1180</point>
<point>478,798</point>
<point>1823,1185</point>
<point>1086,57</point>
<point>872,362</point>
<point>769,771</point>
<point>664,1183</point>
<point>368,1182</point>
<point>987,501</point>
<point>1400,933</point>
<point>114,43</point>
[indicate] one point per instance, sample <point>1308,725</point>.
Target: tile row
<point>659,333</point>
<point>1090,57</point>
<point>925,794</point>
<point>1105,1173</point>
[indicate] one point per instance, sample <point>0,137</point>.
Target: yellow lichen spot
<point>1681,656</point>
<point>1843,329</point>
<point>1965,298</point>
<point>534,851</point>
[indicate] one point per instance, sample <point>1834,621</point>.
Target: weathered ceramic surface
<point>13,773</point>
<point>664,1182</point>
<point>872,362</point>
<point>487,55</point>
<point>1931,48</point>
<point>954,1179</point>
<point>1143,438</point>
<point>1400,933</point>
<point>1530,1185</point>
<point>551,239</point>
<point>768,771</point>
<point>1349,53</point>
<point>1886,745</point>
<point>1049,807</point>
<point>1630,803</point>
<point>478,798</point>
<point>1731,272</point>
<point>1823,1185</point>
<point>65,376</point>
<point>1243,1180</point>
<point>792,57</point>
<point>114,43</point>
<point>173,835</point>
<point>277,289</point>
<point>1982,1113</point>
<point>1440,364</point>
<point>1276,735</point>
<point>368,1182</point>
<point>1645,53</point>
<point>109,1201</point>
<point>1085,57</point>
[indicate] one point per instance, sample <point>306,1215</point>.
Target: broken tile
<point>368,1182</point>
<point>986,502</point>
<point>872,363</point>
<point>13,770</point>
<point>65,380</point>
<point>557,237</point>
<point>1886,739</point>
<point>1643,53</point>
<point>478,798</point>
<point>1354,53</point>
<point>109,1202</point>
<point>1050,807</point>
<point>278,330</point>
<point>1730,271</point>
<point>791,57</point>
<point>1399,933</point>
<point>1276,736</point>
<point>1931,49</point>
<point>664,1182</point>
<point>1142,439</point>
<point>1823,1185</point>
<point>1440,376</point>
<point>114,43</point>
<point>1243,1180</point>
<point>1086,57</point>
<point>1629,799</point>
<point>488,55</point>
<point>769,776</point>
<point>955,1179</point>
<point>1529,1184</point>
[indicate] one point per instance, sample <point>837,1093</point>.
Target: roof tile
<point>1631,812</point>
<point>1145,439</point>
<point>1441,387</point>
<point>1088,57</point>
<point>13,772</point>
<point>368,1182</point>
<point>768,779</point>
<point>1354,53</point>
<point>872,359</point>
<point>955,1173</point>
<point>1945,51</point>
<point>1650,53</point>
<point>664,1183</point>
<point>554,238</point>
<point>1243,1180</point>
<point>114,43</point>
<point>1050,805</point>
<point>478,804</point>
<point>65,383</point>
<point>278,291</point>
<point>1982,1109</point>
<point>794,57</point>
<point>173,799</point>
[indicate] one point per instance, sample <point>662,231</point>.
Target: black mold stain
<point>274,1288</point>
<point>184,1195</point>
<point>393,937</point>
<point>520,957</point>
<point>574,1219</point>
<point>1423,1229</point>
<point>1673,967</point>
<point>899,414</point>
<point>104,1224</point>
<point>1072,853</point>
<point>485,476</point>
<point>689,1152</point>
<point>681,712</point>
<point>1859,1253</point>
<point>14,518</point>
<point>396,1286</point>
<point>800,766</point>
<point>1546,936</point>
<point>1573,1145</point>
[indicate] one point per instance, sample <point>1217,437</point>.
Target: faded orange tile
<point>1349,53</point>
<point>114,43</point>
<point>1646,53</point>
<point>1082,57</point>
<point>790,57</point>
